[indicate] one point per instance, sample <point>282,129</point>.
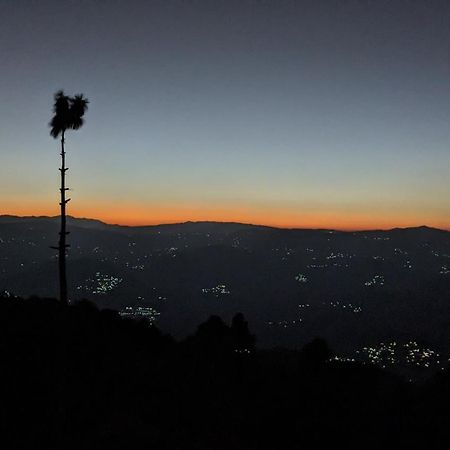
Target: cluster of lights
<point>408,354</point>
<point>285,323</point>
<point>135,267</point>
<point>140,312</point>
<point>317,266</point>
<point>407,264</point>
<point>347,306</point>
<point>6,294</point>
<point>342,359</point>
<point>376,280</point>
<point>420,356</point>
<point>301,278</point>
<point>101,284</point>
<point>339,255</point>
<point>339,265</point>
<point>218,290</point>
<point>382,354</point>
<point>241,351</point>
<point>172,251</point>
<point>288,252</point>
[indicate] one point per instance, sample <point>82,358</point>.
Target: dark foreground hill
<point>377,295</point>
<point>79,378</point>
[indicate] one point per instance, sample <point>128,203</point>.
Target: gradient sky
<point>315,113</point>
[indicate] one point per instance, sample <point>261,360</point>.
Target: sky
<point>317,114</point>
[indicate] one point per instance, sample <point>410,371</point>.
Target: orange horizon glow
<point>131,215</point>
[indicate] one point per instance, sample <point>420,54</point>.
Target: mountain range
<point>359,290</point>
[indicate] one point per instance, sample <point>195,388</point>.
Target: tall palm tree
<point>68,115</point>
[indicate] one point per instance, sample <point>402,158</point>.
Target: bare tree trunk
<point>62,246</point>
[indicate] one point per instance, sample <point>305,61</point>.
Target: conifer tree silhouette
<point>68,115</point>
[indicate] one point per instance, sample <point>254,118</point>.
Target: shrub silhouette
<point>315,352</point>
<point>74,376</point>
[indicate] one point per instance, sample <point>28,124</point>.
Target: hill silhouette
<point>77,377</point>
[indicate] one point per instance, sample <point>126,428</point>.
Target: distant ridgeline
<point>76,377</point>
<point>376,296</point>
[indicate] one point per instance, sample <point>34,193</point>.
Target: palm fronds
<point>68,113</point>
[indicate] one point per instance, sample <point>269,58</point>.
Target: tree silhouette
<point>316,352</point>
<point>68,115</point>
<point>243,341</point>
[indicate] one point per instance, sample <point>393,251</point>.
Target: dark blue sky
<point>294,113</point>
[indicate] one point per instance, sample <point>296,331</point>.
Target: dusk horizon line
<point>348,230</point>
